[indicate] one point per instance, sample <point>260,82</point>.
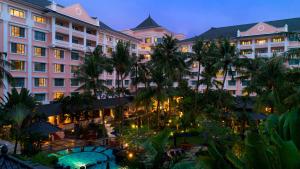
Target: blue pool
<point>94,157</point>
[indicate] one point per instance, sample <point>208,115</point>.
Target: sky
<point>190,17</point>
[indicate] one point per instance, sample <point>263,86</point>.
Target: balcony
<point>277,44</point>
<point>78,33</point>
<point>78,47</point>
<point>62,29</point>
<point>91,37</point>
<point>61,43</point>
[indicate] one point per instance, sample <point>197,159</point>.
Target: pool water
<point>91,155</point>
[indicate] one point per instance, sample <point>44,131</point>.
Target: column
<point>286,44</point>
<point>269,48</point>
<point>97,39</point>
<point>70,35</point>
<point>84,39</point>
<point>6,17</point>
<point>104,43</point>
<point>53,29</point>
<point>29,51</point>
<point>253,48</point>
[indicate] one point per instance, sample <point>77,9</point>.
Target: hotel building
<point>261,39</point>
<point>45,43</point>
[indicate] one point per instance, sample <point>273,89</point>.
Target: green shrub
<point>44,159</point>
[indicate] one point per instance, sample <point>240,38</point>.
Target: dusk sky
<point>191,17</point>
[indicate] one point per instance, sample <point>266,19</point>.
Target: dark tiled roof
<point>108,28</point>
<point>146,24</point>
<point>9,162</point>
<point>43,128</point>
<point>40,3</point>
<point>231,31</point>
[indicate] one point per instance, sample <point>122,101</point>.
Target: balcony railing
<point>61,43</point>
<point>78,47</point>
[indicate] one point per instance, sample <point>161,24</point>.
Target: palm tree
<point>200,52</point>
<point>229,57</point>
<point>89,72</point>
<point>4,66</point>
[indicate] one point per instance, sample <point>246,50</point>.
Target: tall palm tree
<point>89,72</point>
<point>4,66</point>
<point>229,57</point>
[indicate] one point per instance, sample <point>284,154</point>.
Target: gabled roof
<point>147,24</point>
<point>231,31</point>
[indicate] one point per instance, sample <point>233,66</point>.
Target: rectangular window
<point>277,49</point>
<point>74,56</point>
<point>17,65</point>
<point>133,46</point>
<point>75,41</point>
<point>40,36</point>
<point>40,97</point>
<point>246,42</point>
<point>245,82</point>
<point>261,41</point>
<point>18,82</point>
<point>59,37</point>
<point>39,19</point>
<point>157,40</point>
<point>147,40</point>
<point>246,52</point>
<point>261,51</point>
<point>17,12</point>
<point>109,82</point>
<point>39,51</point>
<point>231,82</point>
<point>231,73</point>
<point>58,82</point>
<point>58,95</point>
<point>59,54</point>
<point>109,50</point>
<point>293,62</point>
<point>74,82</point>
<point>39,67</point>
<point>74,68</point>
<point>59,68</point>
<point>194,82</point>
<point>18,48</point>
<point>17,32</point>
<point>109,38</point>
<point>277,39</point>
<point>126,82</point>
<point>40,82</point>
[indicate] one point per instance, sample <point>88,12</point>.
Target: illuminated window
<point>246,42</point>
<point>58,82</point>
<point>185,49</point>
<point>147,56</point>
<point>59,68</point>
<point>109,50</point>
<point>277,49</point>
<point>261,41</point>
<point>18,82</point>
<point>40,82</point>
<point>59,54</point>
<point>17,12</point>
<point>157,40</point>
<point>246,52</point>
<point>194,65</point>
<point>17,65</point>
<point>39,51</point>
<point>18,48</point>
<point>278,40</point>
<point>148,40</point>
<point>58,95</point>
<point>39,19</point>
<point>17,32</point>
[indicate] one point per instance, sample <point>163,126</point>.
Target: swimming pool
<point>93,157</point>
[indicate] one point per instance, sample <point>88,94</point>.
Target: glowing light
<point>126,145</point>
<point>130,155</point>
<point>133,126</point>
<point>171,134</point>
<point>170,121</point>
<point>180,114</point>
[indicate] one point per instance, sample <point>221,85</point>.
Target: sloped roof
<point>231,31</point>
<point>9,162</point>
<point>147,24</point>
<point>43,128</point>
<point>40,3</point>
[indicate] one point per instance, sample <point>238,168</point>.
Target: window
<point>17,12</point>
<point>109,82</point>
<point>246,52</point>
<point>109,50</point>
<point>231,82</point>
<point>157,40</point>
<point>245,82</point>
<point>58,82</point>
<point>277,49</point>
<point>148,40</point>
<point>40,97</point>
<point>232,92</point>
<point>74,56</point>
<point>58,95</point>
<point>126,82</point>
<point>39,51</point>
<point>263,50</point>
<point>277,39</point>
<point>17,32</point>
<point>133,46</point>
<point>39,67</point>
<point>185,49</point>
<point>40,82</point>
<point>75,40</point>
<point>17,65</point>
<point>18,48</point>
<point>59,36</point>
<point>74,82</point>
<point>194,82</point>
<point>18,82</point>
<point>261,41</point>
<point>147,56</point>
<point>59,68</point>
<point>231,73</point>
<point>59,54</point>
<point>74,68</point>
<point>246,42</point>
<point>293,62</point>
<point>39,19</point>
<point>194,74</point>
<point>109,38</point>
<point>41,36</point>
